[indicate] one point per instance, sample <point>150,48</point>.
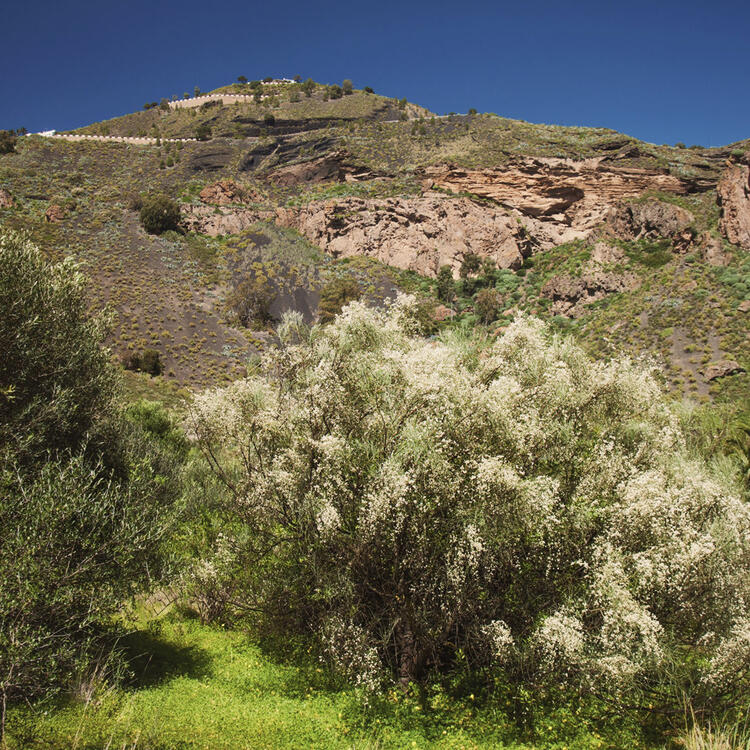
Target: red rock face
<point>533,204</point>
<point>733,195</point>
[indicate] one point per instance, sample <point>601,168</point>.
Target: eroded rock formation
<point>651,219</point>
<point>419,234</point>
<point>574,194</point>
<point>733,195</point>
<point>333,166</point>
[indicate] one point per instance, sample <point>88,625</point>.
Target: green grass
<point>196,686</point>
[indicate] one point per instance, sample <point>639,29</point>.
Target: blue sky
<point>664,71</point>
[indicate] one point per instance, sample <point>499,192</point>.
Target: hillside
<point>632,246</point>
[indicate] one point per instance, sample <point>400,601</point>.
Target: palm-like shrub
<point>406,501</point>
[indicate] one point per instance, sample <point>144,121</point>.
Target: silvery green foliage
<point>406,498</point>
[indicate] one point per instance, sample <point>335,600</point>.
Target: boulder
<point>722,369</point>
<point>54,213</point>
<point>744,307</point>
<point>733,196</point>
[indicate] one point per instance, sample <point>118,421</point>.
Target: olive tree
<point>409,502</point>
<point>84,494</point>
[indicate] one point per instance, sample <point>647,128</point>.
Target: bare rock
<point>335,166</point>
<point>577,195</point>
<point>733,196</point>
<point>744,307</point>
<point>604,254</point>
<point>223,193</point>
<point>6,199</point>
<point>652,219</point>
<point>54,214</point>
<point>570,295</point>
<point>419,234</point>
<point>722,369</point>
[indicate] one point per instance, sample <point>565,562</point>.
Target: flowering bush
<point>406,500</point>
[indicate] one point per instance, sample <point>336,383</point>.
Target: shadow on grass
<point>154,659</point>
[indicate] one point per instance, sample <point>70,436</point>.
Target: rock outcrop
<point>6,199</point>
<point>419,234</point>
<point>224,193</point>
<point>54,213</point>
<point>603,254</point>
<point>733,195</point>
<point>576,195</point>
<point>213,222</point>
<point>570,295</point>
<point>651,219</point>
<point>334,166</point>
<point>712,250</point>
<point>722,369</point>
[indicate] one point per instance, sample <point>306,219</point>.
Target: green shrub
<point>159,213</point>
<point>250,300</point>
<point>156,422</point>
<point>470,264</point>
<point>415,505</point>
<point>203,132</point>
<point>84,495</point>
<point>445,287</point>
<point>334,295</point>
<point>488,304</point>
<point>77,542</point>
<point>53,372</point>
<point>148,361</point>
<point>335,92</point>
<point>347,87</point>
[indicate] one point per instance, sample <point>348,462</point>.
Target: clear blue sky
<point>663,71</point>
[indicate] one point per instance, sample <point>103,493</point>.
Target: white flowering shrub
<point>403,499</point>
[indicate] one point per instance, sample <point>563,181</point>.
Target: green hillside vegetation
<point>276,497</point>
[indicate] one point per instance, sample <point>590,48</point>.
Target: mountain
<point>291,191</point>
